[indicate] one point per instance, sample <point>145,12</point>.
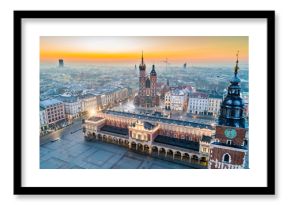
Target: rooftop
<point>67,99</point>
<point>147,125</point>
<point>160,119</point>
<point>116,130</point>
<point>86,96</point>
<point>177,92</point>
<point>198,95</point>
<point>215,96</point>
<point>234,146</point>
<point>206,139</point>
<point>95,119</point>
<point>109,89</point>
<point>177,142</point>
<point>49,102</point>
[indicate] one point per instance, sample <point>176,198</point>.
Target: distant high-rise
<point>60,63</point>
<point>184,65</point>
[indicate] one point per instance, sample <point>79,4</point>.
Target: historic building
<point>72,106</point>
<point>203,104</point>
<point>43,120</point>
<point>186,142</point>
<point>113,96</point>
<point>198,103</point>
<point>214,104</point>
<point>229,149</point>
<point>53,110</point>
<point>176,100</point>
<point>147,94</point>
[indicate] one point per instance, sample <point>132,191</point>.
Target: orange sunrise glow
<point>127,49</point>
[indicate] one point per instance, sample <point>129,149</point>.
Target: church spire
<point>237,64</point>
<point>142,66</point>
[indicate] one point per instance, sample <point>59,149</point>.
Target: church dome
<point>238,102</point>
<point>233,102</point>
<point>235,80</point>
<point>228,102</point>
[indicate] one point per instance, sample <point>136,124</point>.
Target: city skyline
<point>126,49</point>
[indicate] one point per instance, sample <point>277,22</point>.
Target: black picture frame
<point>268,190</point>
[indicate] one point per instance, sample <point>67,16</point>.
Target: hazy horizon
<point>157,49</point>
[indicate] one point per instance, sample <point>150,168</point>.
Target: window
<point>233,113</point>
<point>226,158</point>
<point>229,142</point>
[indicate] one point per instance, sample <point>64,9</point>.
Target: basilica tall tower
<point>142,77</point>
<point>229,149</point>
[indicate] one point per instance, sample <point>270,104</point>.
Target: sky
<point>128,49</point>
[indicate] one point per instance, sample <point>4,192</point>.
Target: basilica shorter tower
<point>147,95</point>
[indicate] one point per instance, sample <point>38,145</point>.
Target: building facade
<point>54,110</point>
<point>203,104</point>
<point>176,100</point>
<point>89,103</point>
<point>147,94</point>
<point>229,149</point>
<point>72,106</point>
<point>114,96</point>
<point>166,138</point>
<point>121,94</point>
<point>167,100</point>
<point>43,120</point>
<point>198,103</point>
<point>214,104</point>
<point>60,63</point>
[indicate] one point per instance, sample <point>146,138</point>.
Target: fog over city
<point>81,76</point>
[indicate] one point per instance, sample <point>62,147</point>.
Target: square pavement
<point>73,152</point>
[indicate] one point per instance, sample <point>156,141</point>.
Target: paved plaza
<point>73,152</point>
